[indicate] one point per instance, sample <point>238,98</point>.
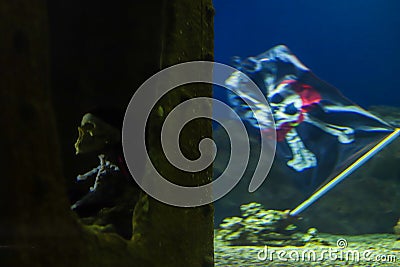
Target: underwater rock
<point>258,226</point>
<point>396,229</point>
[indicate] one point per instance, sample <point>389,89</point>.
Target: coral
<point>258,226</point>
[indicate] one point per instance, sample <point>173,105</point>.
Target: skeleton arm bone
<point>85,176</point>
<point>104,167</point>
<point>302,157</point>
<point>344,134</point>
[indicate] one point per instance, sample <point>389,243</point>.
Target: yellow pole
<point>364,158</point>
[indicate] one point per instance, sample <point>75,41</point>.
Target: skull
<point>286,105</point>
<point>95,135</point>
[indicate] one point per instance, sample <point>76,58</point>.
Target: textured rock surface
<point>37,226</point>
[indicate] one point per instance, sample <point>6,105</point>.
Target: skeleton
<point>94,136</point>
<point>110,200</point>
<point>289,109</point>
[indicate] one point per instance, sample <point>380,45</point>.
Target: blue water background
<point>352,44</point>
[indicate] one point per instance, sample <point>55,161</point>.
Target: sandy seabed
<point>326,250</point>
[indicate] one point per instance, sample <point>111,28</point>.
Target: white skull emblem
<point>285,104</point>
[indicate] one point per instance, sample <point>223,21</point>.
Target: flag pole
<point>323,190</point>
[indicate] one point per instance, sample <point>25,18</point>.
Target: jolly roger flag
<point>319,131</point>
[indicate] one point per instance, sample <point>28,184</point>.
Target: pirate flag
<point>319,131</point>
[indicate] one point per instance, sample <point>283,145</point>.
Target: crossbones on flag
<point>319,131</point>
